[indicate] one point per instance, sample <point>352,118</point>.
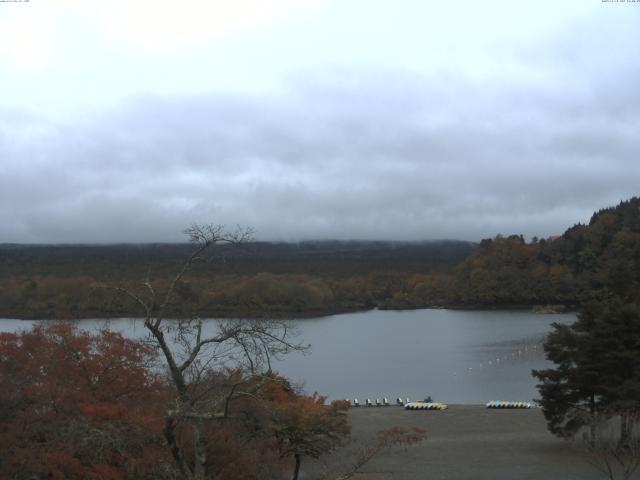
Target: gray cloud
<point>365,154</point>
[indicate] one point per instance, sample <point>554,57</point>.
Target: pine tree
<point>597,368</point>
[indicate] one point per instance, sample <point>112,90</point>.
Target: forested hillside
<point>253,279</point>
<point>583,261</point>
<point>315,278</point>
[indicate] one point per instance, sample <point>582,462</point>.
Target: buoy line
<point>504,404</point>
<point>426,406</point>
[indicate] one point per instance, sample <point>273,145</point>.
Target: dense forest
<point>314,278</point>
<point>252,279</point>
<point>584,261</point>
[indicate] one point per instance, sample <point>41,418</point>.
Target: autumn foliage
<point>76,405</point>
<point>303,425</point>
<point>79,405</point>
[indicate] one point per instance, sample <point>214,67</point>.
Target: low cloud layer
<point>324,162</point>
<point>530,146</point>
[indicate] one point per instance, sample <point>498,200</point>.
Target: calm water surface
<point>454,356</point>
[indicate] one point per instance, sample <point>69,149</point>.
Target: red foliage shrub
<point>75,405</point>
<point>78,405</point>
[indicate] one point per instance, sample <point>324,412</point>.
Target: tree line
<point>325,277</point>
<point>566,269</point>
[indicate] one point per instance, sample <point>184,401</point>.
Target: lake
<point>464,357</point>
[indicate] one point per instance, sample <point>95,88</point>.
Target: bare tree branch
<point>196,361</point>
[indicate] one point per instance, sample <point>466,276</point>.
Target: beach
<point>465,442</point>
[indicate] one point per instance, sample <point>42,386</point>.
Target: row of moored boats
<point>428,404</point>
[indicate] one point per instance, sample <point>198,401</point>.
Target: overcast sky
<point>349,119</point>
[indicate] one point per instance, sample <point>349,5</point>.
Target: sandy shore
<point>467,442</point>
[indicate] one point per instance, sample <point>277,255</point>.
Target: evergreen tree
<point>597,368</point>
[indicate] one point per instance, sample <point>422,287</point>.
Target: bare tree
<point>197,354</point>
<point>612,444</point>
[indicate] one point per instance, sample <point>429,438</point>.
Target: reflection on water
<point>453,356</point>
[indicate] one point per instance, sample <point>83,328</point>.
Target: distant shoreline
<point>291,315</point>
